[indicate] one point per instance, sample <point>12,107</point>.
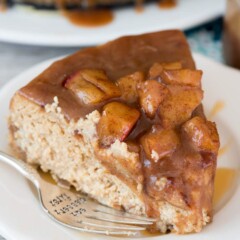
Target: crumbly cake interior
<point>131,134</point>
<point>38,133</point>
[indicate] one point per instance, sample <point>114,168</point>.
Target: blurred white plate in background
<point>20,25</point>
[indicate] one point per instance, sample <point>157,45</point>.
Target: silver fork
<point>75,210</point>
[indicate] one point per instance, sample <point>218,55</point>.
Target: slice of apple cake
<point>123,122</point>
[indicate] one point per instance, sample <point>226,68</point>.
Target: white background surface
<point>21,217</point>
<point>50,28</point>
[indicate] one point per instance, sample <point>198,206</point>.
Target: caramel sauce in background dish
<point>90,17</point>
<point>3,5</point>
<point>167,3</point>
<point>231,36</point>
<point>94,17</point>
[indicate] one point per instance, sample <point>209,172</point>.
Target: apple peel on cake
<point>124,123</point>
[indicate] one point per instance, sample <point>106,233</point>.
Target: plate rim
<point>13,81</point>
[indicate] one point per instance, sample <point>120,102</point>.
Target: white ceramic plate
<point>49,28</point>
<point>22,218</point>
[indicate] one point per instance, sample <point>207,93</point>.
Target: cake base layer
<point>67,149</point>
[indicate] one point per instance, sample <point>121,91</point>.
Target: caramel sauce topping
<point>118,58</point>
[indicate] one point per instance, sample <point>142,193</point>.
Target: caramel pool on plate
<point>224,182</point>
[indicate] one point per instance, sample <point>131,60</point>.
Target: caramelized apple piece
<point>202,134</point>
<point>155,71</point>
<point>116,122</point>
<point>162,187</point>
<point>92,86</point>
<point>172,65</point>
<point>178,106</point>
<point>156,186</point>
<point>182,77</point>
<point>173,195</point>
<point>159,143</point>
<point>85,91</point>
<point>151,94</point>
<point>100,80</point>
<point>128,86</point>
<point>158,68</point>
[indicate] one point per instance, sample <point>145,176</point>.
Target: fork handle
<point>25,169</point>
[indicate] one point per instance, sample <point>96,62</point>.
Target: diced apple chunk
<point>85,91</point>
<point>202,134</point>
<point>158,68</point>
<point>178,106</point>
<point>151,94</point>
<point>159,143</point>
<point>100,80</point>
<point>155,71</point>
<point>182,77</point>
<point>116,122</point>
<point>175,197</point>
<point>128,86</point>
<point>172,65</point>
<point>92,86</point>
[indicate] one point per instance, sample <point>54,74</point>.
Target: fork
<point>76,210</point>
